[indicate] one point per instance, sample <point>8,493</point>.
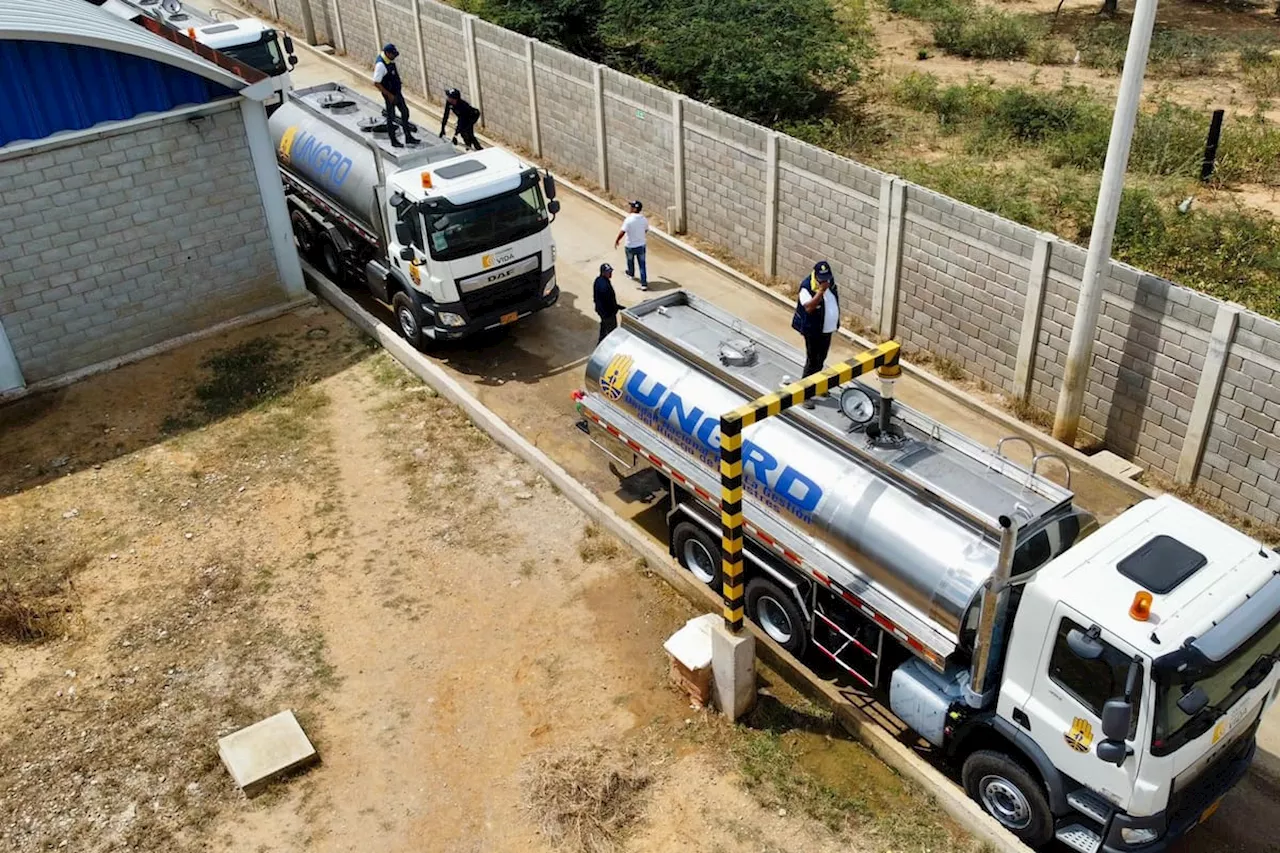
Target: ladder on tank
<point>860,658</point>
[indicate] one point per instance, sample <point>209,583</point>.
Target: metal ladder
<point>848,651</point>
<point>1036,458</point>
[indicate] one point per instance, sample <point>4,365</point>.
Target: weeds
<point>587,799</point>
<point>240,378</point>
<point>596,544</point>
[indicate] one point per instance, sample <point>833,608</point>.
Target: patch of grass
<point>596,544</point>
<point>1028,413</point>
<point>983,32</point>
<point>587,799</point>
<point>239,378</point>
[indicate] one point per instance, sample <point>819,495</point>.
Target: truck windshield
<point>486,224</point>
<point>1224,685</point>
<point>263,54</point>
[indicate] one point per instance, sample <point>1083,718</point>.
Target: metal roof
<point>80,22</point>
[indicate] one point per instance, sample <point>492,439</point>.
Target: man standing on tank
<point>467,118</point>
<point>817,317</point>
<point>387,78</point>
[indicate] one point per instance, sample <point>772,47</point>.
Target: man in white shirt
<point>635,228</point>
<point>817,317</point>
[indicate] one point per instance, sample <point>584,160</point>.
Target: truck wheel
<point>303,234</point>
<point>1010,794</point>
<point>330,261</point>
<point>776,612</point>
<point>698,552</point>
<point>408,318</point>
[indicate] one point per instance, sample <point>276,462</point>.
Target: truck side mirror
<point>549,186</point>
<point>553,206</point>
<point>1114,751</point>
<point>404,232</point>
<point>1084,646</point>
<point>1193,701</point>
<point>288,45</point>
<point>293,61</point>
<point>1117,714</point>
<point>406,253</point>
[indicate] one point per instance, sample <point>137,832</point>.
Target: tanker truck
<point>452,244</point>
<point>1100,685</point>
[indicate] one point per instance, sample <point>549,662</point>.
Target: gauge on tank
<point>857,405</point>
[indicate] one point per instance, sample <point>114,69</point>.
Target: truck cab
<point>1139,664</point>
<point>252,42</point>
<point>472,236</point>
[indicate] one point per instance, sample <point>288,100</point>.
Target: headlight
<point>550,285</point>
<point>448,318</point>
<point>1138,836</point>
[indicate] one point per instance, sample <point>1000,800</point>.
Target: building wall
<point>961,279</point>
<point>122,239</point>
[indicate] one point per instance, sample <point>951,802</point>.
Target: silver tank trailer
<point>919,554</point>
<point>317,133</point>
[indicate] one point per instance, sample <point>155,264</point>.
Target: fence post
<point>308,22</point>
<point>602,162</point>
<point>339,38</point>
<point>274,9</point>
<point>535,126</point>
<point>415,8</point>
<point>677,158</point>
<point>1032,311</point>
<point>771,205</point>
<point>10,370</point>
<point>884,295</point>
<point>1215,362</point>
<point>377,30</point>
<point>473,63</point>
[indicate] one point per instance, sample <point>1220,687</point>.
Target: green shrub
<point>983,33</point>
<point>1173,52</point>
<point>925,10</point>
<point>917,91</point>
<point>1030,115</point>
<point>570,24</point>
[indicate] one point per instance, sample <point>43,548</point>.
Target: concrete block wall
<point>566,108</point>
<point>395,25</point>
<point>638,130</point>
<point>504,83</point>
<point>963,284</point>
<point>127,239</point>
<point>725,181</point>
<point>291,15</point>
<point>828,207</point>
<point>965,281</point>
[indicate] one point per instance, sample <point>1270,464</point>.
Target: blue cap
<point>822,272</point>
<point>604,268</point>
<point>390,48</point>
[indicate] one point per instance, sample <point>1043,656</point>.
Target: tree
<point>570,24</point>
<point>1110,8</point>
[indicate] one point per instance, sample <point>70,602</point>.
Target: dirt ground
<point>280,517</point>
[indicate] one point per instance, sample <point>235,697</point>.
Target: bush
<point>571,24</point>
<point>1173,52</point>
<point>983,33</point>
<point>1029,115</point>
<point>764,60</point>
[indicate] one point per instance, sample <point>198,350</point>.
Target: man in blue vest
<point>817,317</point>
<point>387,78</point>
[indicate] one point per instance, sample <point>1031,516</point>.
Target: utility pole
<point>1083,331</point>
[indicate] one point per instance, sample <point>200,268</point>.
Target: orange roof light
<point>426,179</point>
<point>1141,607</point>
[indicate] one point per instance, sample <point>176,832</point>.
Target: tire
<point>304,234</point>
<point>775,610</point>
<point>698,552</point>
<point>1010,794</point>
<point>408,318</point>
<point>330,261</point>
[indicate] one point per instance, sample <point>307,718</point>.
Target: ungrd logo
<point>325,163</point>
<point>614,378</point>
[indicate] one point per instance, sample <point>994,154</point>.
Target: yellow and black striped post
<point>884,357</point>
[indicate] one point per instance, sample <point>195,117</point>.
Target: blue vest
<point>807,323</point>
<point>391,82</point>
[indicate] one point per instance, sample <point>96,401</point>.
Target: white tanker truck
<point>1097,685</point>
<point>452,243</point>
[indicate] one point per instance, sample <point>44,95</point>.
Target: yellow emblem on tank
<point>1080,738</point>
<point>286,142</point>
<point>614,378</point>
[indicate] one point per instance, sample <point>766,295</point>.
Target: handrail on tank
<point>883,359</point>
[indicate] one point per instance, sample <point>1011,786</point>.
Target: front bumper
<point>1189,813</point>
<point>503,315</point>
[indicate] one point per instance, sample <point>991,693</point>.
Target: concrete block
<point>1116,466</point>
<point>266,750</point>
<point>733,669</point>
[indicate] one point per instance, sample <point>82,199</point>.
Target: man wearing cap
<point>635,228</point>
<point>467,116</point>
<point>817,317</point>
<point>387,79</point>
<point>606,301</point>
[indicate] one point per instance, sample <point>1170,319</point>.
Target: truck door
<point>1065,708</point>
<point>406,247</point>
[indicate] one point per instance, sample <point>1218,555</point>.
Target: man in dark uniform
<point>467,118</point>
<point>817,316</point>
<point>387,79</point>
<point>606,301</point>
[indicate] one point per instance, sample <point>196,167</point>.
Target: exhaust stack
<point>995,609</point>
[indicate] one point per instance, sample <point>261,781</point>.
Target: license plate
<point>510,318</point>
<point>1208,813</point>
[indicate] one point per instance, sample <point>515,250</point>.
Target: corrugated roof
<point>82,23</point>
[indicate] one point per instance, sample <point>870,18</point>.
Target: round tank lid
<point>738,352</point>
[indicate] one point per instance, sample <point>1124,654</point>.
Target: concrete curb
<point>948,795</point>
<point>252,318</point>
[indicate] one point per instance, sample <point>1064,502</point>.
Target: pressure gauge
<point>857,405</point>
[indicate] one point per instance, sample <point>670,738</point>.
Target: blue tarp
<point>46,88</point>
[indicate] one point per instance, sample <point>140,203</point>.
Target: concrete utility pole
<point>1080,351</point>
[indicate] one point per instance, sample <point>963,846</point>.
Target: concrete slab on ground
<point>266,750</point>
<point>1117,465</point>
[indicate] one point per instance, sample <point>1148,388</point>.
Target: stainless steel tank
<point>860,510</point>
<point>321,133</point>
